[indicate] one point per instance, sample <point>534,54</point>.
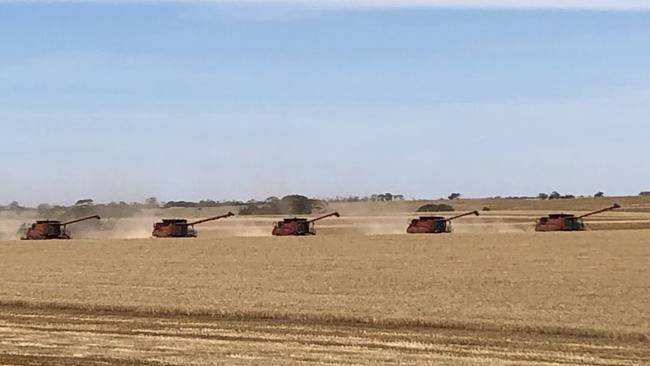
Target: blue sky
<point>231,100</point>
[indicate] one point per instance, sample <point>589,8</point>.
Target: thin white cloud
<point>516,4</point>
<point>622,5</point>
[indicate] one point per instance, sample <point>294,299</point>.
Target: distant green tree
<point>184,204</point>
<point>296,204</point>
<point>208,203</point>
<point>84,202</point>
<point>152,202</point>
<point>436,208</point>
<point>15,206</point>
<point>288,205</point>
<point>43,209</point>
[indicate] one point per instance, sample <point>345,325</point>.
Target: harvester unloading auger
<point>434,224</point>
<point>567,222</point>
<point>180,228</point>
<point>48,229</point>
<point>299,226</point>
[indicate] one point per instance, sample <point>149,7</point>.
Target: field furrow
<point>55,336</point>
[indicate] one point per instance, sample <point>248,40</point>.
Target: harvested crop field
<point>77,337</point>
<point>466,298</point>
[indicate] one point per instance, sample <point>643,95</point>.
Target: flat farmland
<point>537,291</point>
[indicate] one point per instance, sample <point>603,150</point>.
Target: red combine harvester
<point>47,229</point>
<point>298,227</point>
<point>567,222</point>
<point>180,228</point>
<point>434,224</point>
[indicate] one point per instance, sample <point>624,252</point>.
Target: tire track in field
<point>49,336</point>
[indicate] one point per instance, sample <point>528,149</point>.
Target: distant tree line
<point>288,205</point>
<point>555,196</point>
<point>88,207</point>
<point>14,207</point>
<point>200,204</point>
<point>292,204</point>
<point>436,208</point>
<point>380,197</point>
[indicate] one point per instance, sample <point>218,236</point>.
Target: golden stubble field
<point>590,288</point>
<point>594,280</point>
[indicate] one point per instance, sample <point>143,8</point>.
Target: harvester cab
<point>298,226</point>
<point>567,222</point>
<point>434,224</point>
<point>180,228</point>
<point>49,229</point>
